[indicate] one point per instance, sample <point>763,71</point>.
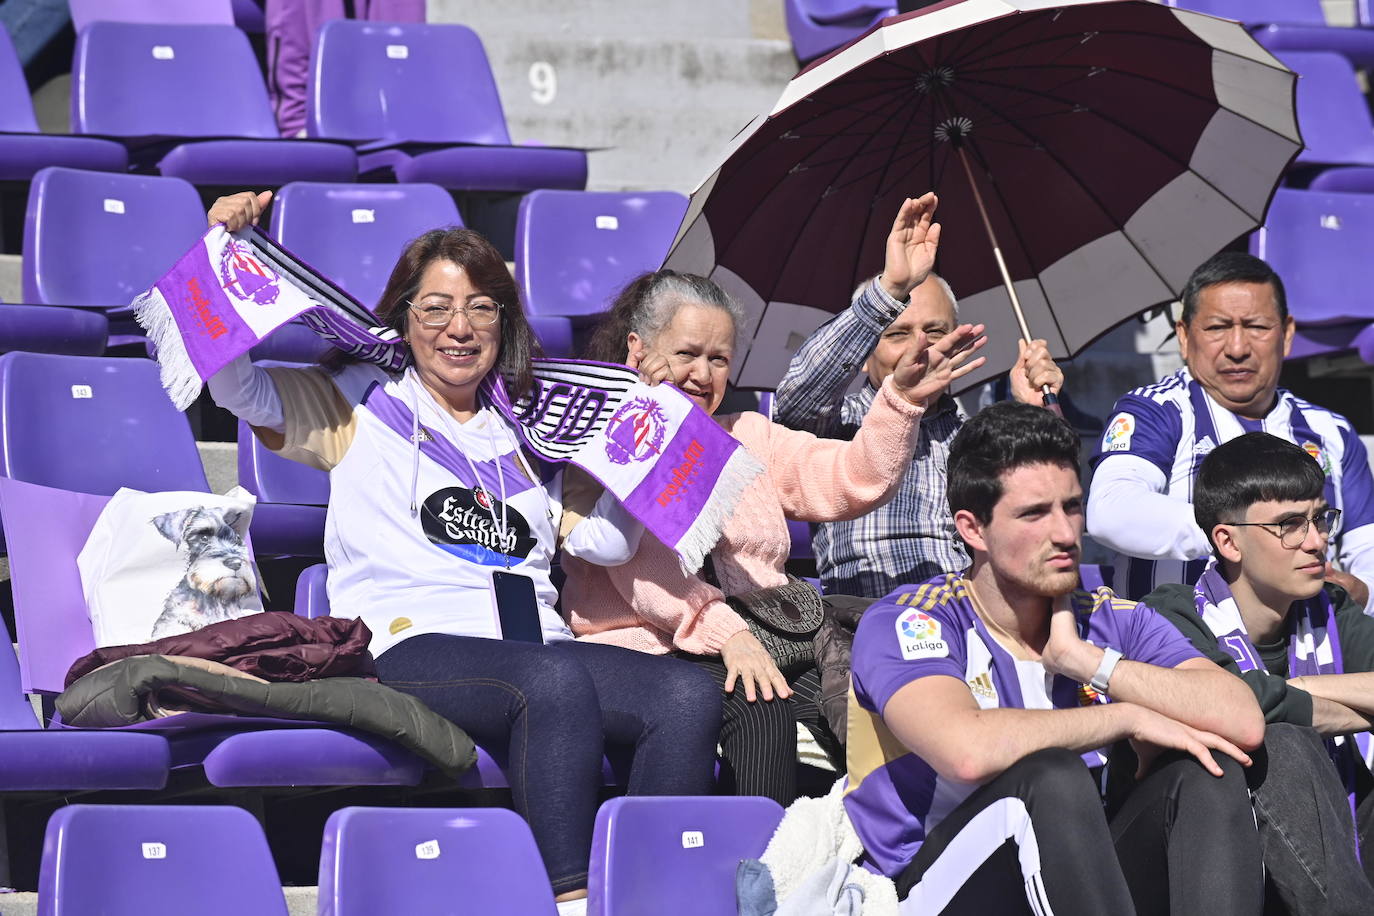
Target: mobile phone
<point>516,606</point>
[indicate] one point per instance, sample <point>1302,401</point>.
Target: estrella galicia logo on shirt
<point>459,520</point>
<point>918,634</point>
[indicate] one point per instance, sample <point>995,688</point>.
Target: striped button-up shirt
<point>912,538</point>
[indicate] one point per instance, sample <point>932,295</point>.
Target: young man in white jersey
<point>1234,333</point>
<point>981,700</point>
<point>1262,611</point>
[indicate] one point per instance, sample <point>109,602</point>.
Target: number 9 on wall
<point>543,82</point>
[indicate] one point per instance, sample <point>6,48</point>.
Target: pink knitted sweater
<point>651,605</point>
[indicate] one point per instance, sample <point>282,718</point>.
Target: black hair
<point>1255,467</point>
<point>1231,267</point>
<point>998,439</point>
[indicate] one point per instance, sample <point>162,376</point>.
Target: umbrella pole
<point>1049,398</point>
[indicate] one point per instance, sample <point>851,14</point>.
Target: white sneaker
<point>573,907</point>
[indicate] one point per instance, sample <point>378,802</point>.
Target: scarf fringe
<point>179,376</point>
<point>740,470</point>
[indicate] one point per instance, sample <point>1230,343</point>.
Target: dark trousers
<point>552,709</point>
<point>1035,840</point>
<point>1306,830</point>
<point>758,740</point>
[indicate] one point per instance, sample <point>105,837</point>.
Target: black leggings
<point>758,740</point>
<point>549,710</point>
<point>1034,840</point>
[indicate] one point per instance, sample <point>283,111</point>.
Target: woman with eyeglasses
<point>440,535</point>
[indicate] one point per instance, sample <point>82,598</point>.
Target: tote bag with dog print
<point>161,564</point>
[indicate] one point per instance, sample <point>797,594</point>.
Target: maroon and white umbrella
<point>1115,145</point>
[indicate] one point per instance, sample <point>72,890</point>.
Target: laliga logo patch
<point>245,277</point>
<point>1118,435</point>
<point>918,634</point>
<point>636,431</point>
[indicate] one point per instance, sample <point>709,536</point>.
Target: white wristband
<point>1104,671</point>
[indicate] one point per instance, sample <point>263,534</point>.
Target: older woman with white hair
<point>685,327</point>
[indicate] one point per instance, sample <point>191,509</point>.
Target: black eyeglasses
<point>1292,531</point>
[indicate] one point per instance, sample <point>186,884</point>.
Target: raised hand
<point>924,371</point>
<point>1033,370</point>
<point>238,210</point>
<point>653,367</point>
<point>911,246</point>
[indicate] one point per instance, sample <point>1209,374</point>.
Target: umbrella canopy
<point>1116,143</point>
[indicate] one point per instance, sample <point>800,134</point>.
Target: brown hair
<point>487,271</point>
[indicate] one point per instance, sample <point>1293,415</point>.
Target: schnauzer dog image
<point>219,573</point>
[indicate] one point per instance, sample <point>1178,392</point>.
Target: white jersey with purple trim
<point>1173,425</point>
<point>895,798</point>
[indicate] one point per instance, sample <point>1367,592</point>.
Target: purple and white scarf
<point>672,466</point>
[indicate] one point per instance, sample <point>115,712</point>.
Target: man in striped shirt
<point>912,537</point>
<point>1234,333</point>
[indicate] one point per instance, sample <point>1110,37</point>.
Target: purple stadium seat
<point>373,83</point>
<point>291,499</point>
<point>98,239</point>
<point>1353,179</point>
<point>425,860</point>
<point>1330,339</point>
<point>675,856</point>
<point>41,329</point>
<point>1319,242</point>
<point>1290,25</point>
<point>1332,112</point>
<point>232,751</point>
<point>352,233</point>
<point>575,250</point>
<point>1092,576</point>
<point>157,860</point>
<point>249,16</point>
<point>166,12</point>
<point>818,27</point>
<point>20,155</point>
<point>155,86</point>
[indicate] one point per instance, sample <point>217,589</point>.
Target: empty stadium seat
<point>1332,112</point>
<point>41,329</point>
<point>292,494</point>
<point>575,250</point>
<point>160,86</point>
<point>1320,243</point>
<point>200,12</point>
<point>98,239</point>
<point>818,27</point>
<point>23,150</point>
<point>157,860</point>
<point>374,84</point>
<point>231,751</point>
<point>1291,25</point>
<point>675,856</point>
<point>427,860</point>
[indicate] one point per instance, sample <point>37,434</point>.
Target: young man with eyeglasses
<point>1234,334</point>
<point>1263,610</point>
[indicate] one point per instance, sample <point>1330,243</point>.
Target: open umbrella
<point>1088,155</point>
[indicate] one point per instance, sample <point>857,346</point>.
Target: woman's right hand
<point>746,659</point>
<point>238,210</point>
<point>652,367</point>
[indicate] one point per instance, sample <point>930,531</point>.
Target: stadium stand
<point>144,860</point>
<point>420,860</point>
<point>1291,25</point>
<point>292,495</point>
<point>1319,242</point>
<point>1332,113</point>
<point>40,329</point>
<point>575,250</point>
<point>818,27</point>
<point>369,82</point>
<point>23,150</point>
<point>165,12</point>
<point>674,856</point>
<point>156,87</point>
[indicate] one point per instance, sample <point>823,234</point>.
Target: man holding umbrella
<point>1234,333</point>
<point>912,537</point>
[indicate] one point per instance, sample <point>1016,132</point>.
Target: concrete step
<point>704,19</point>
<point>300,901</point>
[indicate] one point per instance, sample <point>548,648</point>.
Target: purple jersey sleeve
<point>1140,634</point>
<point>1357,485</point>
<point>896,644</point>
<point>1144,428</point>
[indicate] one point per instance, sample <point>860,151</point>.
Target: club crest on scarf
<point>245,277</point>
<point>636,432</point>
